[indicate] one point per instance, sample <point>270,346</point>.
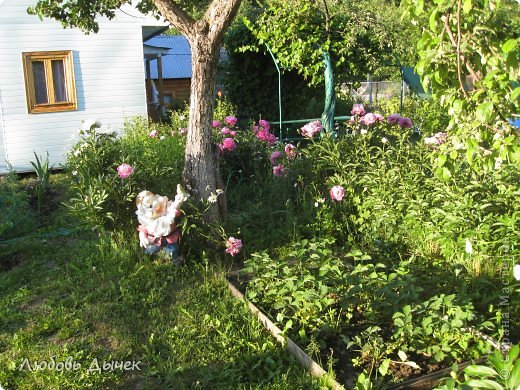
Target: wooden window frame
<point>70,85</point>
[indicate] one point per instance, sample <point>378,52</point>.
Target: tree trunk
<point>201,171</point>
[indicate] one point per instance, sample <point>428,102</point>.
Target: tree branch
<point>459,38</point>
<point>218,16</point>
<point>174,14</point>
<point>327,17</point>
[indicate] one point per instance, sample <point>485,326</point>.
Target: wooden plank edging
<point>305,360</point>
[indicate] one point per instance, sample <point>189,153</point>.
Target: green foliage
<point>99,197</point>
<point>439,327</point>
<point>361,36</point>
<point>393,199</point>
<point>299,285</point>
<point>83,14</point>
<point>501,372</point>
<point>469,59</point>
<point>424,286</point>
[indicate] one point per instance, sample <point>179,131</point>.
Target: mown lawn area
<point>86,296</point>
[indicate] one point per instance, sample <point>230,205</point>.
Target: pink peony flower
<point>263,123</point>
<point>358,109</point>
<point>290,151</point>
<point>228,144</point>
<point>153,134</point>
<point>275,156</point>
<point>369,119</point>
<point>379,117</point>
<point>266,136</point>
<point>231,120</point>
<point>215,124</point>
<point>233,246</point>
<point>393,119</point>
<point>233,133</point>
<point>279,170</point>
<point>311,128</point>
<point>124,171</point>
<point>405,123</point>
<point>225,130</point>
<point>337,193</point>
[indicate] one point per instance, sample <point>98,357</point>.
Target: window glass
<point>58,79</point>
<point>40,85</point>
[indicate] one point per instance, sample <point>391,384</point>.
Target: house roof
<point>176,63</point>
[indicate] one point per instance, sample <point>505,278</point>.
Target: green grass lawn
<point>85,297</point>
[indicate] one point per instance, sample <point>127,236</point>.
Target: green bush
<point>99,197</point>
<point>394,199</point>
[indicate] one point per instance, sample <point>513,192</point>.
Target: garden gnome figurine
<point>157,230</point>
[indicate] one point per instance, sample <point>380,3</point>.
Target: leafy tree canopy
<point>362,36</point>
<point>82,14</point>
<point>469,59</point>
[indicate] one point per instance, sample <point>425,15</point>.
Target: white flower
<point>212,198</point>
<point>498,162</point>
<point>89,124</point>
<point>364,132</point>
<point>77,152</point>
<point>219,191</point>
<point>162,137</point>
<point>469,247</point>
<point>316,204</point>
<point>430,141</point>
<point>458,145</point>
<point>384,140</point>
<point>74,173</point>
<point>182,117</point>
<point>516,271</point>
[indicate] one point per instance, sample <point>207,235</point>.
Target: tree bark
<point>201,171</point>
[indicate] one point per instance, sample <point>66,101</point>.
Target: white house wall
<point>109,76</point>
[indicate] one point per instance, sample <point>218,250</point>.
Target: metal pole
<point>279,90</point>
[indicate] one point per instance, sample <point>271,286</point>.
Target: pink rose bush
<point>358,109</point>
<point>311,128</point>
<point>233,246</point>
<point>124,171</point>
<point>228,144</point>
<point>231,120</point>
<point>262,132</point>
<point>279,170</point>
<point>224,135</point>
<point>363,122</point>
<point>290,151</point>
<point>337,193</point>
<point>276,155</point>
